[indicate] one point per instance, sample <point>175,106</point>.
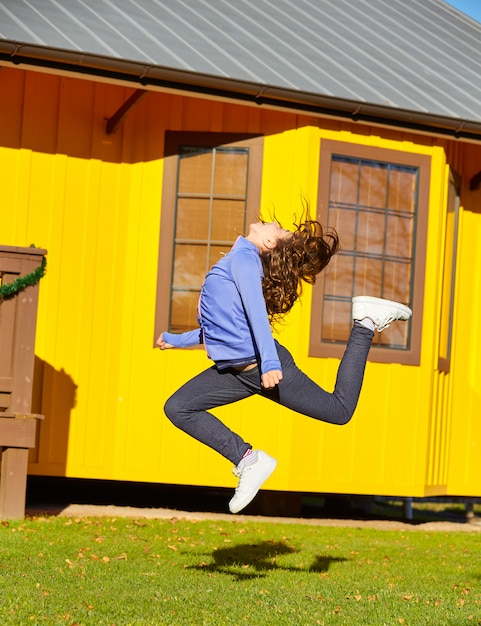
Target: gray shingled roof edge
<point>157,78</point>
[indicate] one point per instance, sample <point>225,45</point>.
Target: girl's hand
<point>271,379</point>
<point>163,345</point>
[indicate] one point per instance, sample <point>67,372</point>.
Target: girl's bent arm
<point>182,340</point>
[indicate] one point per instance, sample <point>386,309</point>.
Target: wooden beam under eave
<point>118,117</point>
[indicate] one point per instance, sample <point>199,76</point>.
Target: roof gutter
<point>154,77</point>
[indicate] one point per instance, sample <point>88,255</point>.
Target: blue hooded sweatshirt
<point>234,325</point>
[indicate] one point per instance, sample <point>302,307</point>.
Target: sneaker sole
<point>241,504</point>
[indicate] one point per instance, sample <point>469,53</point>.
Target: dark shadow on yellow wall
<point>54,396</point>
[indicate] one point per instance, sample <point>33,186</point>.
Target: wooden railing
<point>18,425</point>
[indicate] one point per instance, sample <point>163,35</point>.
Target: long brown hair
<point>296,258</point>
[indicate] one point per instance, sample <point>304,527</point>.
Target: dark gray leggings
<point>188,407</point>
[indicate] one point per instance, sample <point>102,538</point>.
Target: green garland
<point>22,282</point>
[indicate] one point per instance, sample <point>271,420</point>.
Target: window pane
<point>344,187</point>
<point>193,217</point>
<point>399,234</point>
<point>195,171</point>
<point>228,219</point>
<point>397,281</point>
<point>368,276</point>
<point>183,310</point>
<point>230,172</point>
<point>402,190</point>
<point>394,337</point>
<point>189,266</point>
<point>373,185</point>
<point>371,228</point>
<point>336,320</point>
<point>348,219</point>
<point>338,275</point>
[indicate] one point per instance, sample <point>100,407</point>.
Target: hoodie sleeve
<point>184,340</point>
<point>247,274</point>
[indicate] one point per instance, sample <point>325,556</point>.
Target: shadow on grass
<point>247,561</point>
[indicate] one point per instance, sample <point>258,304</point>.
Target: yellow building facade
<point>94,201</point>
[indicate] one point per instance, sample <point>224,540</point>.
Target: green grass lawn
<point>58,570</point>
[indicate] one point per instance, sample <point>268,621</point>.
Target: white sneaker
<point>381,312</point>
<point>252,472</point>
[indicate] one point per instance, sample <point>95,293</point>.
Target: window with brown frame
<point>377,200</point>
<point>211,191</point>
<point>449,271</point>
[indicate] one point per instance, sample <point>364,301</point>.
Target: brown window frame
<point>412,354</point>
<point>173,141</point>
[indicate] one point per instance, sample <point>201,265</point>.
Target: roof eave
<point>155,77</point>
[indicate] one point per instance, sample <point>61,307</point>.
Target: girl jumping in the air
<point>257,283</point>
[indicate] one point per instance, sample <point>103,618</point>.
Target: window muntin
<point>377,200</point>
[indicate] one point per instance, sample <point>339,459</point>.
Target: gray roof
<point>414,60</point>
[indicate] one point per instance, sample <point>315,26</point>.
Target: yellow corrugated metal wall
<point>464,474</point>
<point>94,201</point>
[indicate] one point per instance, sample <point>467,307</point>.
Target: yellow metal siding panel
<point>465,433</point>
